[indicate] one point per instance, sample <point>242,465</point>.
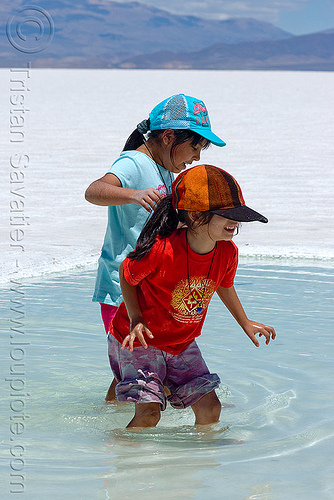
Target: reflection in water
<point>260,492</point>
<point>164,462</point>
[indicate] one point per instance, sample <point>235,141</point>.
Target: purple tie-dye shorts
<point>142,374</point>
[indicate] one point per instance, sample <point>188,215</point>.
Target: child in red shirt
<point>167,283</point>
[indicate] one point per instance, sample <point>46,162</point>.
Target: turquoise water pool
<point>61,441</point>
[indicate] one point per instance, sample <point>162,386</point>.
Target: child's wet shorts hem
<point>142,375</point>
<point>146,388</point>
<point>190,393</point>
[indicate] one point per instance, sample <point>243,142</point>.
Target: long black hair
<point>136,139</point>
<point>163,222</point>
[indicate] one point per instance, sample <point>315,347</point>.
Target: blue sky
<point>296,16</point>
<point>315,15</point>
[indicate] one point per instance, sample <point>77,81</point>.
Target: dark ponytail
<point>137,138</point>
<point>133,142</point>
<point>162,222</point>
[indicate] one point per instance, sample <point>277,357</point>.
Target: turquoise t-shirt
<point>135,170</point>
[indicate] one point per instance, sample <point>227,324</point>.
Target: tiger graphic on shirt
<point>187,296</point>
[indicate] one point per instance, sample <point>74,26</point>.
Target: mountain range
<point>109,34</point>
<point>309,52</point>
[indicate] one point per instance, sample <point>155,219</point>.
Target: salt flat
<point>279,132</point>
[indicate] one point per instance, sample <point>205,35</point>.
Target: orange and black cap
<point>208,188</point>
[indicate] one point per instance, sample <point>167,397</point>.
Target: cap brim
<point>240,214</point>
<point>210,136</point>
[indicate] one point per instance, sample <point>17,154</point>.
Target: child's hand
<point>138,329</point>
<point>253,328</point>
<point>147,198</point>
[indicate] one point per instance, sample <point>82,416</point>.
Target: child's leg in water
<point>111,394</point>
<point>207,409</point>
<point>108,312</point>
<point>146,415</point>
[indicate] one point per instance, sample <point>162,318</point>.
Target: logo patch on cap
<point>201,114</point>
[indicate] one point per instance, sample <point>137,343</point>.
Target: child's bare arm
<point>108,191</point>
<point>230,298</point>
<point>138,326</point>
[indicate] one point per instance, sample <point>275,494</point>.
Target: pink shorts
<point>142,374</point>
<point>107,312</point>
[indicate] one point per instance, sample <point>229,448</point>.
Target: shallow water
<point>278,399</point>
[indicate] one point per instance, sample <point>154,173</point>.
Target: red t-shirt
<point>167,304</point>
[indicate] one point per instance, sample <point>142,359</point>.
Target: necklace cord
<point>199,307</point>
<point>158,168</point>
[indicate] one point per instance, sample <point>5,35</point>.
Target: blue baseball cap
<point>184,112</point>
